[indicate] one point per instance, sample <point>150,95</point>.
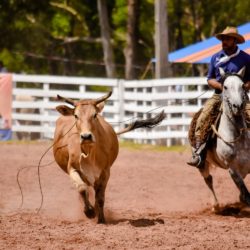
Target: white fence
<point>34,104</point>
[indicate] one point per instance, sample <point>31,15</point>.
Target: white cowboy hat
<point>232,32</point>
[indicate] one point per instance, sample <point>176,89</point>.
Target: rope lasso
<point>38,171</point>
<point>158,107</point>
<point>38,167</point>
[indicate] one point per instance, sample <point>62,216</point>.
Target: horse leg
<point>209,181</point>
<point>244,193</point>
<point>83,190</point>
<point>100,187</point>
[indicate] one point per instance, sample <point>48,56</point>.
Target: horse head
<point>234,96</point>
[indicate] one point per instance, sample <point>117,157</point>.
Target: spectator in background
<point>1,122</point>
<point>2,68</point>
<point>4,123</point>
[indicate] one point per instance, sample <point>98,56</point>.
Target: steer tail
<point>148,123</point>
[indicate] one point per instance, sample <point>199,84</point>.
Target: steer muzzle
<point>87,137</point>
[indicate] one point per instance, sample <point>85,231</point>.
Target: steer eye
<point>95,115</point>
<point>225,87</point>
<point>76,116</point>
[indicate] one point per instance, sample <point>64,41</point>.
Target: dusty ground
<point>153,201</point>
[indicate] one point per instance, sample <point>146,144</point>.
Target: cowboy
<point>231,59</point>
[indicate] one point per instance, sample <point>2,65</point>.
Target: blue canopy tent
<point>201,52</point>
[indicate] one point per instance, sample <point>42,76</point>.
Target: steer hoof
<point>101,220</point>
<point>90,212</point>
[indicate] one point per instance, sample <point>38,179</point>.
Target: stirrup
<point>199,164</point>
<point>196,163</point>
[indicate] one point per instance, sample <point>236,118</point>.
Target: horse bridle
<point>231,111</point>
<point>230,74</point>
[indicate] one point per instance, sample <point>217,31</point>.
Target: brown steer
<point>85,147</point>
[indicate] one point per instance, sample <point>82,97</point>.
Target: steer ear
<point>65,110</point>
<point>100,106</point>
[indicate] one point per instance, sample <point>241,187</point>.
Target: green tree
<point>64,37</point>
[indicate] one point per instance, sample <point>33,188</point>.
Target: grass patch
<point>24,142</point>
<point>123,144</point>
<point>159,148</point>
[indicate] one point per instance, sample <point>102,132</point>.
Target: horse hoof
<point>90,212</point>
<point>245,199</point>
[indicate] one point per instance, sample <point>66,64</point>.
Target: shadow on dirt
<point>143,222</point>
<point>236,209</point>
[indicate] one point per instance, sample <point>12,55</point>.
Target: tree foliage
<point>63,37</point>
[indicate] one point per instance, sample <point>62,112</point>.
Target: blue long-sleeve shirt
<point>232,66</point>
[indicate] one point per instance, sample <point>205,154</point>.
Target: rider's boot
<point>198,156</point>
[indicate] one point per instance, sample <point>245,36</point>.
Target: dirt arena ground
<point>153,201</point>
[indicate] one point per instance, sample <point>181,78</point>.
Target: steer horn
<point>67,100</point>
<point>103,98</point>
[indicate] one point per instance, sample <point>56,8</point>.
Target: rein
<point>228,142</point>
<point>241,130</point>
